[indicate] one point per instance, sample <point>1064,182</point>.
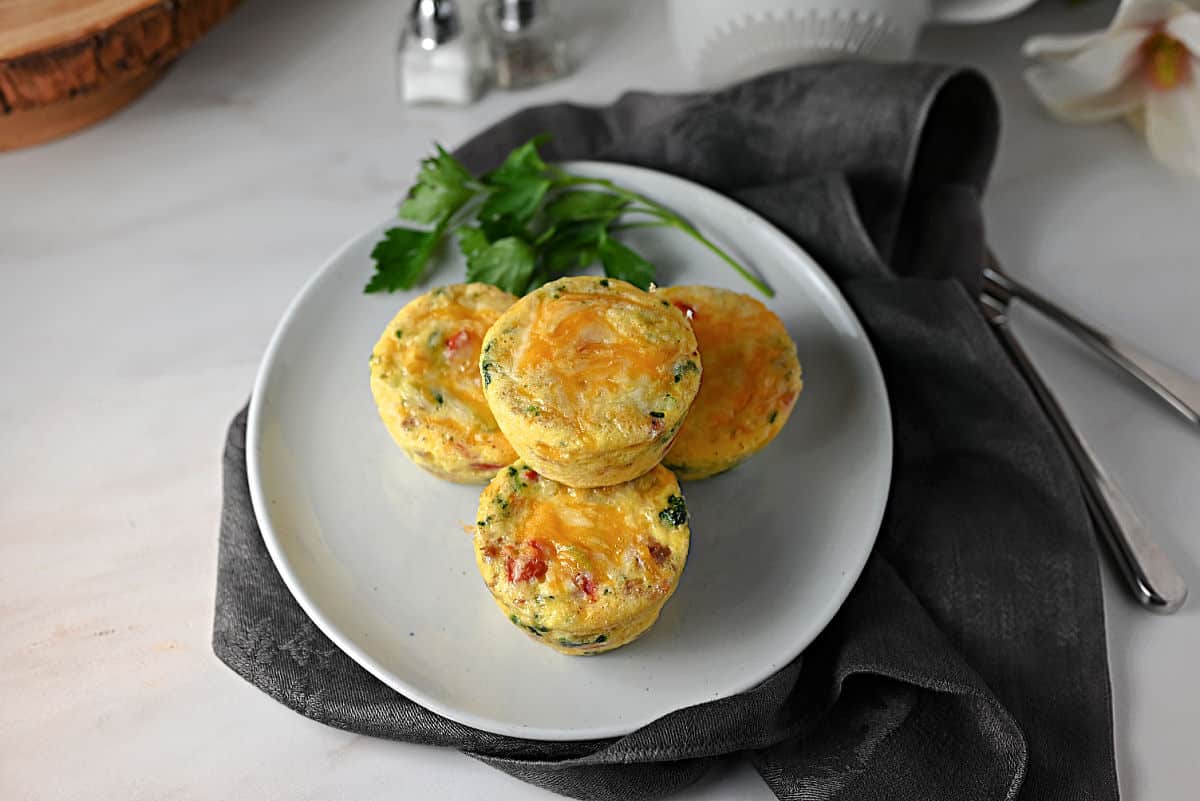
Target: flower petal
<point>1185,28</point>
<point>1063,86</point>
<point>1143,13</point>
<point>1059,47</point>
<point>1173,126</point>
<point>1122,99</point>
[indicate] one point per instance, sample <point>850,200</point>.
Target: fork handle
<point>1180,391</point>
<point>1145,567</point>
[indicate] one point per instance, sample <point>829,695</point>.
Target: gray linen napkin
<point>969,661</point>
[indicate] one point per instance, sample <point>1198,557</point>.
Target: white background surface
<point>146,261</point>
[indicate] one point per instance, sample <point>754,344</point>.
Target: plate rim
<point>273,540</point>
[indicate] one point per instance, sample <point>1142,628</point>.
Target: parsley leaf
<point>510,208</point>
<point>523,163</point>
<point>523,224</point>
<point>517,189</point>
<point>443,186</point>
<point>584,204</point>
<point>400,258</point>
<point>506,263</point>
<point>621,262</point>
<point>471,241</point>
<point>573,247</point>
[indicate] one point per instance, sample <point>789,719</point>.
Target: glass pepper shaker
<point>438,61</point>
<point>526,41</point>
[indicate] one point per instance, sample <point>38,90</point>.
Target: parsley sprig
<point>523,224</point>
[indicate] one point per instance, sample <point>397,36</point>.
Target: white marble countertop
<point>146,261</point>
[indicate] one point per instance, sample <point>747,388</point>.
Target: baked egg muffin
<point>590,378</point>
<point>581,570</point>
<point>425,379</point>
<point>751,380</point>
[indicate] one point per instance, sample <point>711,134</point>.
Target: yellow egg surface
<point>425,379</point>
<point>581,570</point>
<point>590,378</point>
<point>751,381</point>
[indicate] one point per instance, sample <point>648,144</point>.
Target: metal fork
<point>1181,392</point>
<point>1149,573</point>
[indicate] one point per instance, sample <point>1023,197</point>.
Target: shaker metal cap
<point>515,15</point>
<point>434,22</point>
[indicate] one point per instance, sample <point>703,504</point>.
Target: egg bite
<point>590,378</point>
<point>425,379</point>
<point>751,380</point>
<point>581,570</point>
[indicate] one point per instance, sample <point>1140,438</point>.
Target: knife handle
<point>1149,573</point>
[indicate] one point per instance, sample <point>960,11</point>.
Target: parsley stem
<point>757,282</point>
<point>664,217</point>
<point>635,225</point>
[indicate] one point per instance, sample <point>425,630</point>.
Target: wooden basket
<point>65,64</point>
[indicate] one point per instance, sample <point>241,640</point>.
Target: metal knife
<point>1145,567</point>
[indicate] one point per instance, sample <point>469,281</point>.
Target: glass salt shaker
<point>526,41</point>
<point>438,61</point>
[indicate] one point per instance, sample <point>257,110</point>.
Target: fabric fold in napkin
<point>969,662</point>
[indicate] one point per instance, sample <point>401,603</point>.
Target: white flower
<point>1145,67</point>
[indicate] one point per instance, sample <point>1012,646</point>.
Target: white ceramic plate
<point>378,552</point>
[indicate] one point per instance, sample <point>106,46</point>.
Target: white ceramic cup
<point>726,40</point>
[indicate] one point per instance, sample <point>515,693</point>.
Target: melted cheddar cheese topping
<point>580,562</point>
<point>603,534</point>
<point>589,348</point>
<point>591,375</point>
<point>751,380</point>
